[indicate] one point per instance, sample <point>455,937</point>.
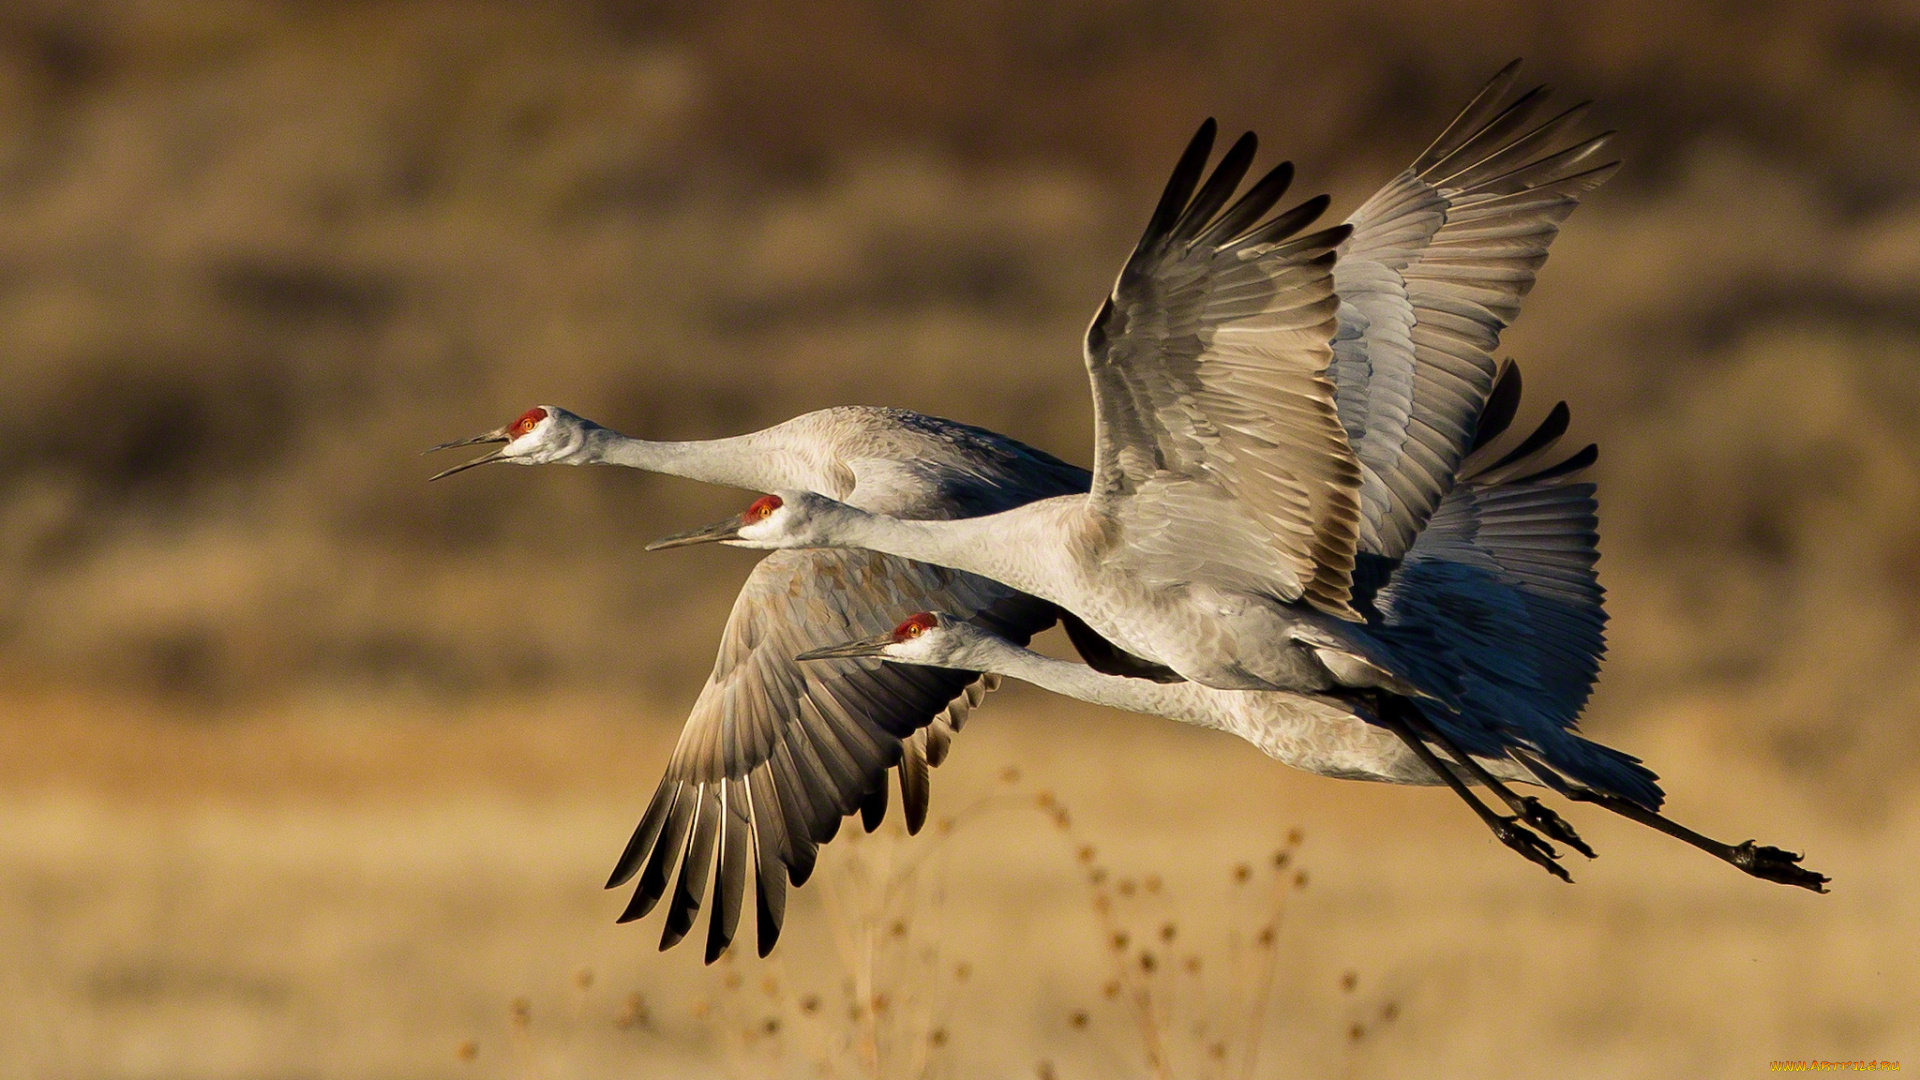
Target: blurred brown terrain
<point>309,769</point>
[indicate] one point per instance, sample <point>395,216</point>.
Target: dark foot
<point>1538,815</point>
<point>1516,836</point>
<point>1773,864</point>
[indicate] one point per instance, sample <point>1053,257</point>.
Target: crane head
<point>928,638</point>
<point>543,435</point>
<point>790,519</point>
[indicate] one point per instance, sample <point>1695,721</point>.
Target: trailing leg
<point>1509,830</point>
<point>1769,863</point>
<point>1526,807</point>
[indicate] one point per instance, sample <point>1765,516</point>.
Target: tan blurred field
<point>310,770</point>
<point>358,895</point>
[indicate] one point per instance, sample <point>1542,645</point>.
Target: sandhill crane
<point>1254,434</point>
<point>774,754</point>
<point>1453,229</point>
<point>1502,578</point>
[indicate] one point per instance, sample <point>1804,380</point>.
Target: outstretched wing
<point>1437,265</point>
<point>1217,450</point>
<point>777,752</point>
<point>1500,588</point>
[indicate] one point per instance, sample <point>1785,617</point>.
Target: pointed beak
<point>728,529</point>
<point>497,435</point>
<point>849,649</point>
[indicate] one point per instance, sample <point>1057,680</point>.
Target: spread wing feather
<point>1436,267</point>
<point>1500,586</point>
<point>776,753</point>
<point>1217,448</point>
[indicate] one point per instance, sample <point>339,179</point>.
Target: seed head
<point>635,1012</point>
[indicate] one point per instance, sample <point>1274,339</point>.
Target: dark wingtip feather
<point>1180,186</point>
<point>1548,433</point>
<point>730,883</point>
<point>1288,222</point>
<point>1503,403</point>
<point>692,886</point>
<point>873,808</point>
<point>1249,208</point>
<point>640,844</point>
<point>637,907</point>
<point>666,851</point>
<point>1581,459</point>
<point>914,788</point>
<point>1218,189</point>
<point>770,905</point>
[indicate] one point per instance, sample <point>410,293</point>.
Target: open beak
<point>728,529</point>
<point>849,649</point>
<point>497,435</point>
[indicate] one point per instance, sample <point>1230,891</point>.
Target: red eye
<point>915,626</point>
<point>762,508</point>
<point>527,421</point>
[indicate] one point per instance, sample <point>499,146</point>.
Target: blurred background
<point>308,769</point>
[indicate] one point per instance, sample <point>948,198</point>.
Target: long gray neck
<point>1014,547</point>
<point>1185,702</point>
<point>753,461</point>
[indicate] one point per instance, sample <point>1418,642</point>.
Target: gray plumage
<point>1220,394</point>
<point>1225,518</point>
<point>774,753</point>
<point>1500,585</point>
<point>1437,265</point>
